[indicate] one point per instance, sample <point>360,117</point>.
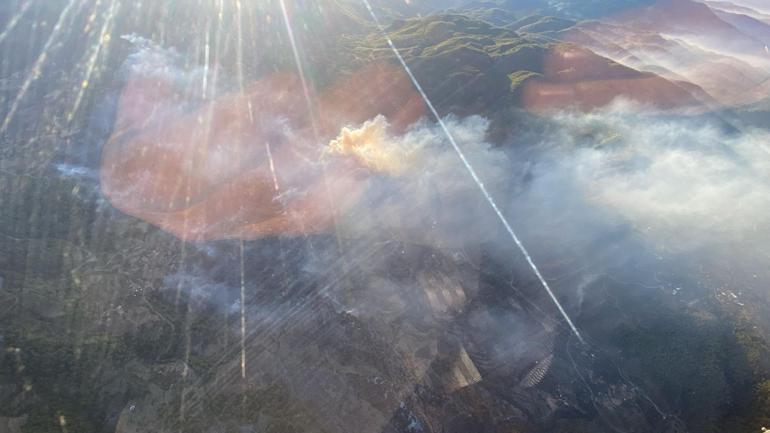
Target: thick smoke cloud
<point>622,194</point>
<point>596,197</point>
<point>683,184</point>
<point>680,184</point>
<point>587,191</point>
<point>250,162</point>
<point>423,193</point>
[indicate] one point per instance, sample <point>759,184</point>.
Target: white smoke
<point>150,60</point>
<point>419,191</point>
<point>571,182</point>
<point>682,184</point>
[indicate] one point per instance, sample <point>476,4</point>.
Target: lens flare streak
<point>243,311</point>
<point>101,45</point>
<point>37,68</point>
<point>297,60</point>
<point>272,166</point>
<point>14,21</point>
<point>474,175</point>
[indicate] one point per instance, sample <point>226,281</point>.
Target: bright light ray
<point>243,310</point>
<point>15,20</point>
<point>475,176</point>
<point>37,68</point>
<point>272,166</point>
<point>186,364</point>
<point>311,111</point>
<point>293,316</point>
<point>298,62</point>
<point>206,61</point>
<point>239,65</point>
<point>100,45</point>
<point>239,40</point>
<point>187,404</point>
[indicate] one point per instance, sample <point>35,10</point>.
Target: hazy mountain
<point>685,40</point>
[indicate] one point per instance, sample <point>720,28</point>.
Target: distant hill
<point>542,24</point>
<point>462,62</point>
<point>470,66</point>
<point>576,9</point>
<point>721,51</point>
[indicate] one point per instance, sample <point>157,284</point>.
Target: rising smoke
<point>597,190</point>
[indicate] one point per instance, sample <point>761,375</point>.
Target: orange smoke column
<point>206,174</point>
